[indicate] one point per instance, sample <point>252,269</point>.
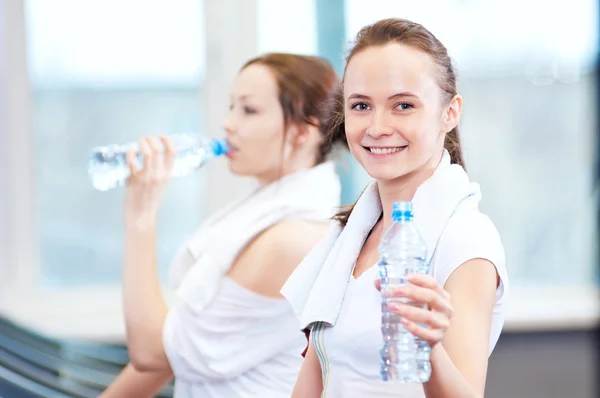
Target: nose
<point>380,124</point>
<point>228,124</point>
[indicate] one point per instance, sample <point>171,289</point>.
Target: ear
<point>451,116</point>
<point>302,134</point>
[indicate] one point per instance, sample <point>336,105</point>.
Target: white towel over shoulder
<point>201,263</point>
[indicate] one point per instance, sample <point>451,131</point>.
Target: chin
<point>238,169</point>
<point>386,173</point>
<point>383,176</point>
<point>233,167</point>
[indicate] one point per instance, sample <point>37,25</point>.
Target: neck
<point>404,188</point>
<point>294,165</point>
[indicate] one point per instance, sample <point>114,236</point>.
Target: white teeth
<point>384,151</point>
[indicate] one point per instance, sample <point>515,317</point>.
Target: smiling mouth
<point>385,151</point>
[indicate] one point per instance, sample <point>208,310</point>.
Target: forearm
<point>446,380</point>
<point>132,383</point>
<point>144,306</point>
<point>309,383</point>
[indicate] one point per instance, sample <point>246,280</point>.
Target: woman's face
<point>395,118</point>
<point>255,125</point>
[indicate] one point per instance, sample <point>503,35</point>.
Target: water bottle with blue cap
<point>107,166</point>
<point>404,358</point>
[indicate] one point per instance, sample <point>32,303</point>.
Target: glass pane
<point>477,37</point>
<point>294,35</point>
<point>108,72</point>
<point>528,126</point>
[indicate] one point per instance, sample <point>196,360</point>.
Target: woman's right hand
<point>145,187</point>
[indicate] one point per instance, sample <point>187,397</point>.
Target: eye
<point>403,106</point>
<point>249,111</point>
<point>361,106</point>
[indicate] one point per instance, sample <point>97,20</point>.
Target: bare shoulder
<point>294,237</point>
<point>271,257</point>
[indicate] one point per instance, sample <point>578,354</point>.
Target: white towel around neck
<point>204,259</point>
<point>316,289</point>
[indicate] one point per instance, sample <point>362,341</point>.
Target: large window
<point>107,72</point>
<point>80,74</point>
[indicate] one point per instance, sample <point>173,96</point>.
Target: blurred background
<point>79,73</point>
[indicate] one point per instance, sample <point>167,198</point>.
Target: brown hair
<point>307,88</point>
<point>402,31</point>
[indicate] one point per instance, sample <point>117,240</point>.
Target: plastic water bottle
<point>404,358</point>
<point>108,168</point>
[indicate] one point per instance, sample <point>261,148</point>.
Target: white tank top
<point>242,345</point>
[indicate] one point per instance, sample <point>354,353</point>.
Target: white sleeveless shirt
<point>241,345</point>
<point>221,339</point>
<point>349,351</point>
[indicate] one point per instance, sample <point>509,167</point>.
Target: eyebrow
<point>391,97</point>
<point>241,97</point>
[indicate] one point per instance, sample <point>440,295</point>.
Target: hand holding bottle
<point>108,167</point>
<point>145,186</point>
<point>430,321</point>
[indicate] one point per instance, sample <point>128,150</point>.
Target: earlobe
<point>302,135</point>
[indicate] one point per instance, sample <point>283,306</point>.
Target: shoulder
<point>292,238</point>
<point>470,230</point>
<point>272,256</point>
<point>468,235</point>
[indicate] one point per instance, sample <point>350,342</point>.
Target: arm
<point>459,348</point>
<point>144,305</point>
<point>459,364</point>
<point>135,384</point>
<point>461,297</point>
<point>310,380</point>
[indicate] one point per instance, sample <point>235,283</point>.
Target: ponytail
<point>452,145</point>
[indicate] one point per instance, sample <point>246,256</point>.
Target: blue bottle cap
<point>220,147</point>
<point>402,211</point>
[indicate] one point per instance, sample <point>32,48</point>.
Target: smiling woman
<point>399,114</point>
